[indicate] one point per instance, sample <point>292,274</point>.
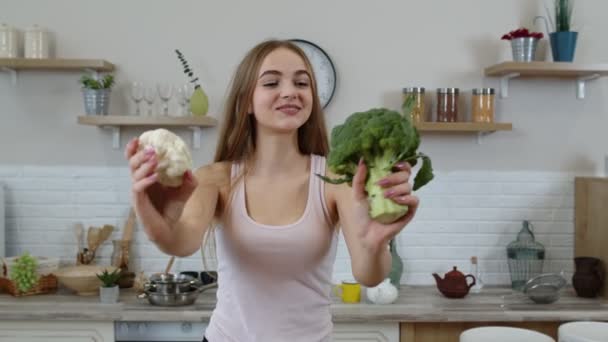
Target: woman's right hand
<point>152,200</point>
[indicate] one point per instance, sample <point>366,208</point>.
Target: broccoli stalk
<point>382,209</point>
<point>382,138</point>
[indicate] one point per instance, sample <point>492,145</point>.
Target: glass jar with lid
<point>413,103</point>
<point>447,104</point>
<point>483,104</point>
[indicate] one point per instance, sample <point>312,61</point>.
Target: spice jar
<point>447,104</point>
<point>413,103</point>
<point>483,104</point>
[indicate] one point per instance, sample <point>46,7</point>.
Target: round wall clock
<point>323,67</point>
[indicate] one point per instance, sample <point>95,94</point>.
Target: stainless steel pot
<point>169,283</point>
<point>174,299</point>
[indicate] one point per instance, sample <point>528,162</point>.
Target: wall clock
<point>323,67</point>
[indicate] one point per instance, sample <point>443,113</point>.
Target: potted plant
<point>109,290</point>
<point>523,43</point>
<point>96,93</point>
<point>563,40</point>
<point>199,102</point>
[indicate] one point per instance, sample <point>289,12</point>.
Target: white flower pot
<point>109,295</point>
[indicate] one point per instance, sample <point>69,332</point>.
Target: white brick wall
<point>462,214</point>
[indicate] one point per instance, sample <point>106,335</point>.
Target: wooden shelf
<point>56,64</point>
<point>125,120</point>
<point>547,69</point>
<point>463,127</point>
<point>115,122</point>
<point>580,72</point>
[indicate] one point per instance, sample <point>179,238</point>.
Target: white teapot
<point>384,293</point>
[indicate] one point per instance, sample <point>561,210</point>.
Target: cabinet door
<point>65,331</point>
<point>366,332</point>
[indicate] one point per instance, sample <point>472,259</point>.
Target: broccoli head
<point>383,138</point>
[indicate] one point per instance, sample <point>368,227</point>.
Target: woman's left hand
<point>374,235</point>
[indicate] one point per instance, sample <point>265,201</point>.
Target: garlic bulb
<point>384,293</point>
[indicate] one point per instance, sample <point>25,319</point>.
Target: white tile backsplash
<point>462,214</point>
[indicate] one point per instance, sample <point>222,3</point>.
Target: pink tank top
<point>275,281</point>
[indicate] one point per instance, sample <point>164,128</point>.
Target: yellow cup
<point>349,292</point>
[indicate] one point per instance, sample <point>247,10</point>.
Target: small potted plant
<point>523,43</point>
<point>109,290</point>
<point>199,102</point>
<point>563,40</point>
<point>96,93</point>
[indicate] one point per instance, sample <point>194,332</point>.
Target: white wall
<point>378,48</point>
<point>58,171</point>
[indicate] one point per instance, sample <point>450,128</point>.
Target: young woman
<point>278,222</point>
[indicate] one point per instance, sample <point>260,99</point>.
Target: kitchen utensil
<point>174,299</point>
<point>92,238</point>
<point>544,288</point>
<point>591,220</point>
<point>129,226</point>
<point>78,233</point>
<point>104,233</point>
<point>171,283</point>
<point>168,268</point>
<point>454,284</point>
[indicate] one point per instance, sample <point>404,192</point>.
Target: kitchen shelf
<point>463,127</point>
<point>580,72</point>
<point>116,122</point>
<point>12,65</point>
<point>479,128</point>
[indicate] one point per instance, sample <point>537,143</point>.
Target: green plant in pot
<point>24,273</point>
<point>96,93</point>
<point>199,102</point>
<point>109,290</point>
<point>563,40</point>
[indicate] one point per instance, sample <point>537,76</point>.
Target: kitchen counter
<point>415,304</point>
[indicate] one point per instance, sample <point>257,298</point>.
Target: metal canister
<point>447,104</point>
<point>413,103</point>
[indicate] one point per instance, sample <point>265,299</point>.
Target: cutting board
<point>591,220</point>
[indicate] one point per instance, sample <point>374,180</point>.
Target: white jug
<point>8,42</point>
<point>36,42</point>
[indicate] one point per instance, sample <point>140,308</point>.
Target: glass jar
<point>525,257</point>
<point>447,104</point>
<point>483,104</point>
<point>413,103</point>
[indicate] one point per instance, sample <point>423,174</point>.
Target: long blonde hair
<point>236,141</point>
<point>237,137</point>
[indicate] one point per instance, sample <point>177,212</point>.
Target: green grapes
<point>23,272</point>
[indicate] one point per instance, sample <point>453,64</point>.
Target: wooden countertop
<point>415,304</point>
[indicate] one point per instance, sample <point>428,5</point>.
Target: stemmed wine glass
<point>184,93</point>
<point>165,91</point>
<point>137,94</point>
<point>149,96</point>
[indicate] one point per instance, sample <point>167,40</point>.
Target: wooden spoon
<point>169,265</point>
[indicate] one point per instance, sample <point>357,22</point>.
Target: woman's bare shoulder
<point>217,173</point>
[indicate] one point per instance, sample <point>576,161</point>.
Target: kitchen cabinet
<point>581,73</point>
<point>450,331</point>
<point>366,332</point>
<point>56,331</point>
<point>116,122</point>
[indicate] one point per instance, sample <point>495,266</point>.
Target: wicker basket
<point>47,283</point>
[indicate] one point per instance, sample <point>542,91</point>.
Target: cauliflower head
<point>172,153</point>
